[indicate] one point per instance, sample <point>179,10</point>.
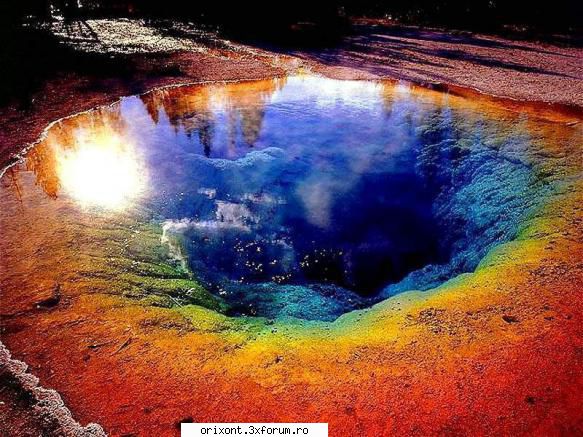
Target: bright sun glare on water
<point>102,170</point>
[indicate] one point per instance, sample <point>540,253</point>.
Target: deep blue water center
<point>310,197</point>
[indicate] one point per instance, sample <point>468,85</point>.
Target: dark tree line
<point>557,15</point>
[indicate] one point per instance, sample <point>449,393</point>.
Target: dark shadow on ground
<point>35,56</point>
<point>382,49</point>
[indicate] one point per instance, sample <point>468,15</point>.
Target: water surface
<point>303,196</point>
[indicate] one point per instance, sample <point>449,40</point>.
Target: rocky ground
<point>151,57</point>
<point>516,69</point>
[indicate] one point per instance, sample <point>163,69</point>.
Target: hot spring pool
<point>305,197</point>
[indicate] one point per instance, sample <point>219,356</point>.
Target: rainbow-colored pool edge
<point>496,350</point>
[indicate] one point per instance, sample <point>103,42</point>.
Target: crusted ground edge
<point>47,406</point>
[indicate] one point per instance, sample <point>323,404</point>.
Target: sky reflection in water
<point>301,196</point>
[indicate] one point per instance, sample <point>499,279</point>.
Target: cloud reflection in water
<point>287,194</point>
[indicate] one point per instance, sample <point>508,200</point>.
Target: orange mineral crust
<point>97,311</point>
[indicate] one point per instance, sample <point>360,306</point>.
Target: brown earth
<point>514,69</point>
